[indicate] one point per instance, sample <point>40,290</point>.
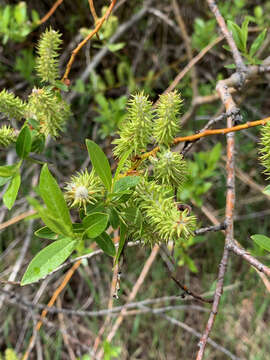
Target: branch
<point>84,41</point>
<point>50,12</point>
<point>221,22</point>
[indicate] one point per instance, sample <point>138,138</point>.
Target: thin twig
<point>194,61</point>
<point>88,37</point>
<point>17,219</point>
<point>93,10</point>
<point>50,12</point>
<point>132,295</point>
<point>221,22</point>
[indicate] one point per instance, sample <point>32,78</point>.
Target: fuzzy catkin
<point>167,124</point>
<point>12,106</point>
<point>136,131</point>
<point>265,148</point>
<point>48,51</point>
<point>7,135</point>
<point>161,214</point>
<point>47,108</point>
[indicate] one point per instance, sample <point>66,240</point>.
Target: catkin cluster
<point>45,110</point>
<point>159,218</point>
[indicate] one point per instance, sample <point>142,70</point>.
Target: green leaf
<point>257,43</point>
<point>95,224</point>
<point>9,170</point>
<point>122,163</point>
<point>54,200</point>
<point>35,16</point>
<point>267,190</point>
<point>123,233</point>
<point>262,240</point>
<point>55,224</point>
<point>237,35</point>
<point>126,183</point>
<point>20,13</point>
<point>116,47</point>
<point>4,180</point>
<point>46,233</point>
<point>12,191</point>
<point>100,163</point>
<point>105,242</point>
<point>114,218</point>
<point>60,85</point>
<point>48,259</point>
<point>244,32</point>
<point>230,66</point>
<point>24,142</point>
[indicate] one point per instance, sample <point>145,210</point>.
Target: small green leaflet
<point>9,170</point>
<point>267,190</point>
<point>105,242</point>
<point>262,240</point>
<point>53,223</point>
<point>4,180</point>
<point>125,183</point>
<point>95,224</point>
<point>54,200</point>
<point>121,164</point>
<point>24,142</point>
<point>100,163</point>
<point>48,260</point>
<point>257,43</point>
<point>46,233</point>
<point>12,191</point>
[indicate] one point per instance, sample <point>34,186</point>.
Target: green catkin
<point>48,51</point>
<point>169,168</point>
<point>167,124</point>
<point>82,189</point>
<point>161,213</point>
<point>47,108</point>
<point>10,355</point>
<point>135,132</point>
<point>7,136</point>
<point>265,148</point>
<point>12,106</point>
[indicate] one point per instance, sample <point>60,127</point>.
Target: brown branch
<point>187,42</point>
<point>84,41</point>
<point>230,107</point>
<point>189,66</point>
<point>236,249</point>
<point>50,12</point>
<point>93,10</point>
<point>221,22</point>
<point>191,293</point>
<point>132,295</point>
<point>17,219</point>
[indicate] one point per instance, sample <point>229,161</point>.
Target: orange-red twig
<point>93,10</point>
<point>50,12</point>
<point>82,43</point>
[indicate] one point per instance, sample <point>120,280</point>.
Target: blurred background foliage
<point>146,57</point>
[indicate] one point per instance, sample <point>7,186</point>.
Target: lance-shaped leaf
<point>100,163</point>
<point>24,142</point>
<point>105,242</point>
<point>12,191</point>
<point>48,259</point>
<point>54,200</point>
